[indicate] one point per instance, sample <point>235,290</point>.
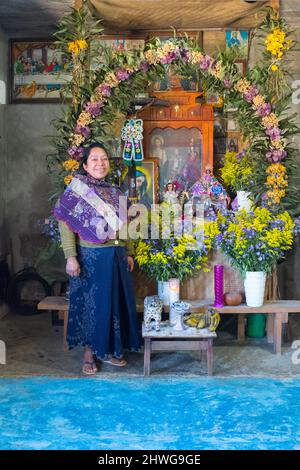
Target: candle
<point>218,270</point>
<point>174,287</point>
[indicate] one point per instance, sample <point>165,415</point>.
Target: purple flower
<point>253,91</point>
<point>205,62</point>
<point>144,66</point>
<point>275,155</point>
<point>83,130</point>
<point>273,133</point>
<point>184,54</point>
<point>75,152</point>
<point>122,75</point>
<point>93,108</point>
<point>105,90</point>
<point>241,154</point>
<point>170,57</point>
<point>264,110</point>
<point>228,83</point>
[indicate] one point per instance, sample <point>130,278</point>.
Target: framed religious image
<point>214,98</point>
<point>239,40</point>
<point>231,123</point>
<point>146,182</point>
<point>232,144</point>
<point>241,66</point>
<point>179,152</point>
<point>38,71</point>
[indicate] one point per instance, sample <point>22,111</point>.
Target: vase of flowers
<point>171,260</point>
<point>254,242</point>
<point>236,174</point>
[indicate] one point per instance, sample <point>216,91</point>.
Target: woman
<point>102,313</point>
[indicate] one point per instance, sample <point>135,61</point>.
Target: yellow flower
<point>195,57</point>
<point>84,119</point>
<point>77,139</point>
<point>68,179</point>
<point>274,67</point>
<point>71,165</point>
<point>76,46</point>
<point>258,100</point>
<point>270,121</point>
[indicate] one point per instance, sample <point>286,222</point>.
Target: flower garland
<point>122,71</point>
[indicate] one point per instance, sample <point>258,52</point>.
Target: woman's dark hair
<point>87,151</point>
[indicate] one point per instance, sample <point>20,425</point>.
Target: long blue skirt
<point>102,312</point>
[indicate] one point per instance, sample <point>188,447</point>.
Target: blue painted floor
<point>135,413</point>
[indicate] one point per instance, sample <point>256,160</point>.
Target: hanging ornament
<point>132,134</point>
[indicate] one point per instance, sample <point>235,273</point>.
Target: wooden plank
<point>178,345</point>
<point>197,306</point>
<point>210,357</point>
<point>53,303</point>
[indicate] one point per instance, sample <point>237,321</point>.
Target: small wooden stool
<point>167,339</point>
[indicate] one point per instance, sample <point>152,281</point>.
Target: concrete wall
<point>28,185</point>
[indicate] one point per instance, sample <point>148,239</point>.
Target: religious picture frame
<point>146,182</point>
<point>239,40</point>
<point>38,71</point>
<point>241,66</point>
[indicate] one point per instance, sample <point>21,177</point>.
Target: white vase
<point>254,283</point>
<point>243,200</point>
<point>163,291</point>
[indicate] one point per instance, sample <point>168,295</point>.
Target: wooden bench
<point>277,314</point>
<point>167,339</point>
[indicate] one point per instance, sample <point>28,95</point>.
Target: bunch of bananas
<point>210,319</point>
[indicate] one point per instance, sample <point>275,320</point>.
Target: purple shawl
<point>92,209</point>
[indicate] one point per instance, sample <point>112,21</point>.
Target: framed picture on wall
<point>146,182</point>
<point>239,40</point>
<point>241,66</point>
<point>38,71</point>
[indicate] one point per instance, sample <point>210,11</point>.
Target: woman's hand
<point>130,262</point>
<point>73,267</point>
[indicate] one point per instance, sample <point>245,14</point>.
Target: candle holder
<point>219,295</point>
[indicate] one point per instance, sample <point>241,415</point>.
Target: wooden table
<point>167,339</point>
<point>277,314</point>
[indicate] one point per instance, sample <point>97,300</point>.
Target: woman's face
<point>97,163</point>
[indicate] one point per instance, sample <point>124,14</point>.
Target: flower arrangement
<point>174,257</point>
<point>254,241</point>
<point>99,95</point>
<point>236,170</point>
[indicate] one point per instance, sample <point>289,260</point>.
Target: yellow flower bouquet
<point>173,257</point>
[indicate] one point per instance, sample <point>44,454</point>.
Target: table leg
<point>147,356</point>
<point>270,327</point>
<point>277,332</point>
<point>209,356</point>
<point>241,327</point>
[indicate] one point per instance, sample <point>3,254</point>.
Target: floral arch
<point>101,92</point>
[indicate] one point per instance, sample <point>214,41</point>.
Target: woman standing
<point>102,312</point>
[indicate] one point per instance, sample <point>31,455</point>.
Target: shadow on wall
<point>288,273</point>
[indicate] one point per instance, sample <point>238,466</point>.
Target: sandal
<point>115,362</point>
<point>92,371</point>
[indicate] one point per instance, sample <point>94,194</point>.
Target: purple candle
<point>218,286</point>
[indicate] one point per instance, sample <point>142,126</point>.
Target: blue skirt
<point>102,312</point>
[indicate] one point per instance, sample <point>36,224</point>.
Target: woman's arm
<point>68,242</point>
